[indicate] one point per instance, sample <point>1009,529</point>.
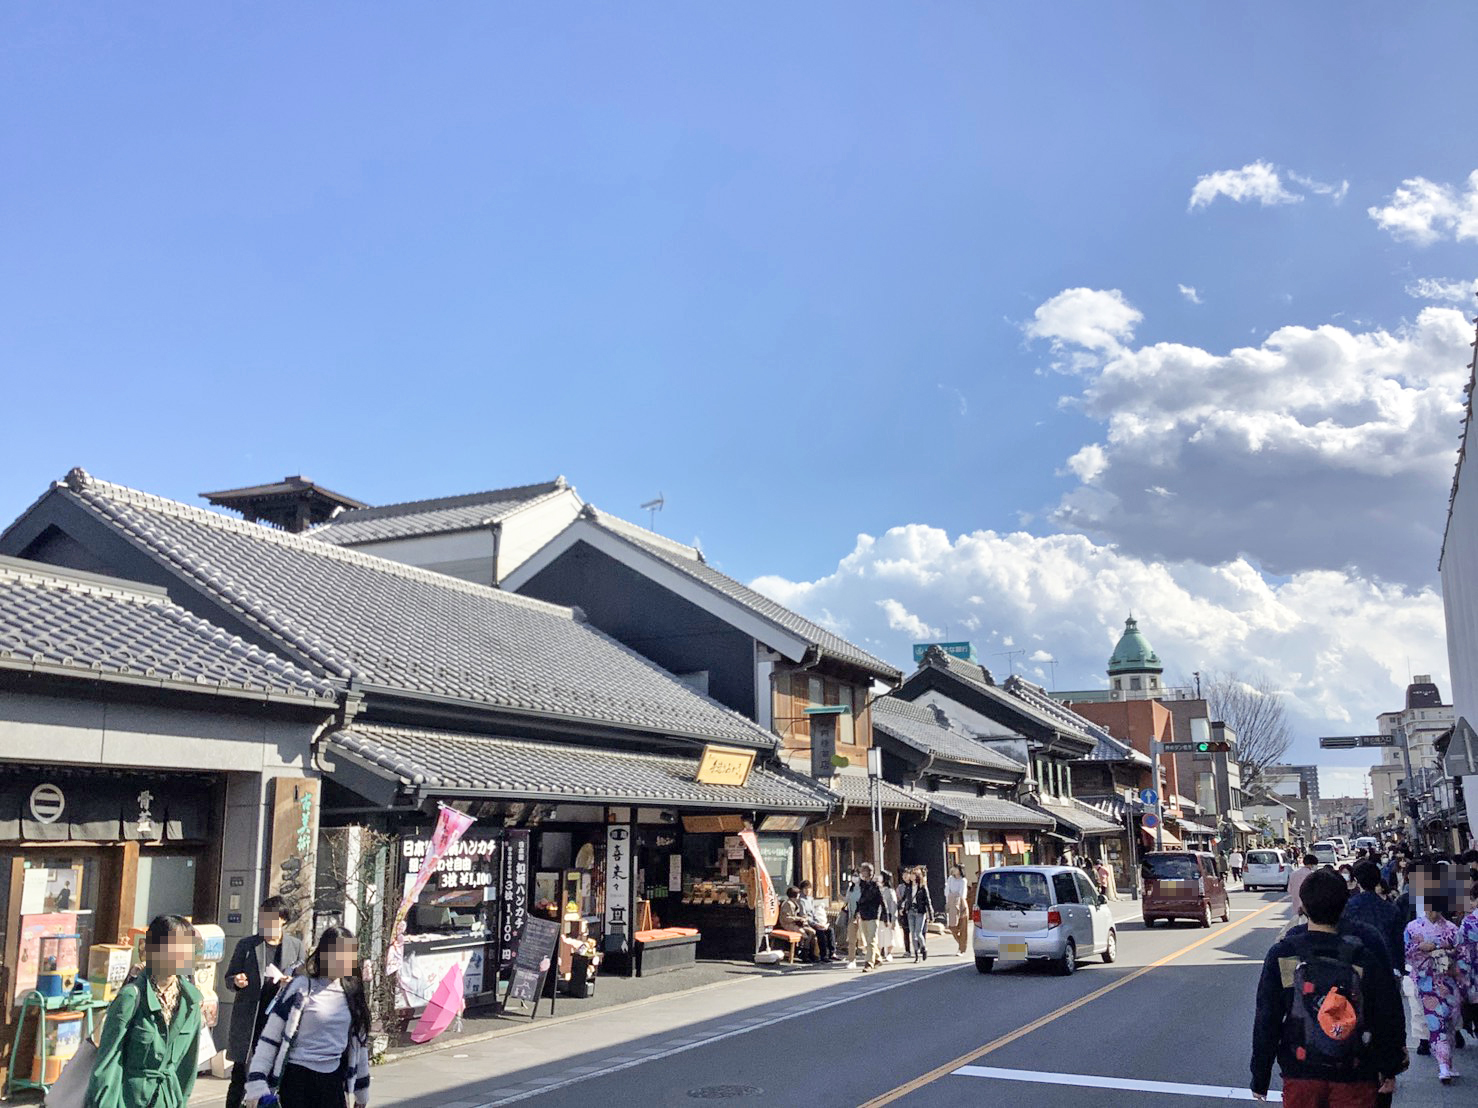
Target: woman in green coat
<point>147,1056</point>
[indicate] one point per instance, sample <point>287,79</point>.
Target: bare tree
<point>356,885</point>
<point>1253,708</point>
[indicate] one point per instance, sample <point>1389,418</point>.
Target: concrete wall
<point>1460,595</point>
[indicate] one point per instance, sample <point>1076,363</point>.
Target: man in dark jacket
<point>259,964</point>
<point>1307,1079</point>
<point>1374,911</point>
<point>870,910</point>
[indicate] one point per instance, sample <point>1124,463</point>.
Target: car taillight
<point>975,917</point>
<point>1054,918</point>
<point>1280,869</point>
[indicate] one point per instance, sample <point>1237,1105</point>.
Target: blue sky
<point>777,264</point>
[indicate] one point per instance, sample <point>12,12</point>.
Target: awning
<point>1151,837</point>
<point>459,764</point>
<point>988,812</point>
<point>1079,819</point>
<point>1188,827</point>
<point>1245,828</point>
<point>853,789</point>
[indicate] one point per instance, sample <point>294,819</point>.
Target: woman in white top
<point>957,907</point>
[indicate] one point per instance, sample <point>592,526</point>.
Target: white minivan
<point>1266,869</point>
<point>1326,851</point>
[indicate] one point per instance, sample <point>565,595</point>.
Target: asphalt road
<point>1175,1008</point>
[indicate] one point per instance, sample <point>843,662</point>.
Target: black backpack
<point>1326,1024</point>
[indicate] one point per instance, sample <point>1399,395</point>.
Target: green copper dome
<point>1134,653</point>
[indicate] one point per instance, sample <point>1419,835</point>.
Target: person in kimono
<point>1431,952</point>
<point>1468,962</point>
<point>147,1056</point>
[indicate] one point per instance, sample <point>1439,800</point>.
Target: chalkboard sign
<point>533,961</point>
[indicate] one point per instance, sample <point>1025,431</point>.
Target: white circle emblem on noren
<point>47,803</point>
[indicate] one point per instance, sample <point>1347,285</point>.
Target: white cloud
<point>1424,211</point>
<point>1041,656</point>
<point>1336,643</point>
<point>901,619</point>
<point>1097,320</point>
<point>1190,293</point>
<point>1441,291</point>
<point>1321,188</point>
<point>1319,448</point>
<point>1256,181</point>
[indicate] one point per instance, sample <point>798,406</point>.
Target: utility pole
<point>1159,800</point>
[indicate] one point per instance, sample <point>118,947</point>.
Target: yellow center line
<point>1037,1024</point>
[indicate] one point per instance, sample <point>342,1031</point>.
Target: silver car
<point>1046,913</point>
<point>1266,869</point>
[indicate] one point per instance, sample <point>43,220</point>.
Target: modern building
<point>1417,726</point>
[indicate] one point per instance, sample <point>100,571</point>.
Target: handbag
<point>70,1088</point>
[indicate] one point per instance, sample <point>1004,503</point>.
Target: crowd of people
<point>300,1024</point>
<point>1365,935</point>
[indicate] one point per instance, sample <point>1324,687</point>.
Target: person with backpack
<point>148,1054</point>
<point>314,1050</point>
<point>1328,1011</point>
<point>1431,952</point>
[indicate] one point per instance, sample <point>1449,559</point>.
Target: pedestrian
<point>906,890</point>
<point>1296,880</point>
<point>854,931</point>
<point>815,909</point>
<point>148,1054</point>
<point>957,907</point>
<point>259,964</point>
<point>888,927</point>
<point>870,912</point>
<point>1431,952</point>
<point>1368,907</point>
<point>1104,879</point>
<point>1234,860</point>
<point>920,911</point>
<point>1328,1011</point>
<point>314,1050</point>
<point>1468,961</point>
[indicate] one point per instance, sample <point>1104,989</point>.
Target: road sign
<point>1178,748</point>
<point>1349,742</point>
<point>1149,821</point>
<point>1149,797</point>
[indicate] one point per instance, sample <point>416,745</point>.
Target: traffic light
<point>1213,748</point>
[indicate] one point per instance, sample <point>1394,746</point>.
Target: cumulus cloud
<point>1423,211</point>
<point>901,619</point>
<point>1084,323</point>
<point>1190,293</point>
<point>1262,183</point>
<point>1437,290</point>
<point>1320,448</point>
<point>1335,642</point>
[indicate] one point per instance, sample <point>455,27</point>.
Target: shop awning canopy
<point>987,812</point>
<point>1187,827</point>
<point>458,764</point>
<point>1243,826</point>
<point>1152,837</point>
<point>1078,819</point>
<point>853,789</point>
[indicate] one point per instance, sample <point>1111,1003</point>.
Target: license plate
<point>1013,951</point>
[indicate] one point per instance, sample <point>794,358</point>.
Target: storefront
<point>975,832</point>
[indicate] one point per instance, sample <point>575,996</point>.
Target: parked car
<point>1046,913</point>
<point>1183,884</point>
<point>1267,869</point>
<point>1326,851</point>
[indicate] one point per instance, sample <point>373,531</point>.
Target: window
<point>1118,682</point>
<point>1134,683</point>
<point>1170,867</point>
<point>816,691</point>
<point>1012,890</point>
<point>1087,891</point>
<point>1064,888</point>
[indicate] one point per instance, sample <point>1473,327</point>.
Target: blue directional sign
<point>1149,797</point>
<point>1149,821</point>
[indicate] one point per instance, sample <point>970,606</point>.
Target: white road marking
<point>1082,1080</point>
<point>548,1085</point>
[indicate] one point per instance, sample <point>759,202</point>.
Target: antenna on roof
<point>1009,655</point>
<point>654,506</point>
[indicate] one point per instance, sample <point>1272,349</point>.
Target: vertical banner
<point>513,897</point>
<point>618,885</point>
<point>770,903</point>
<point>450,825</point>
<point>290,872</point>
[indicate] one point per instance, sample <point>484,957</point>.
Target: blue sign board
<point>1149,797</point>
<point>1149,821</point>
<point>953,649</point>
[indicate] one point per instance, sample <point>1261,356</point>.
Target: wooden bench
<point>791,939</point>
<point>665,949</point>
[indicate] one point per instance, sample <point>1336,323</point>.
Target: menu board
<point>532,960</point>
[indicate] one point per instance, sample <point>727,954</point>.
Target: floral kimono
<point>1434,973</point>
<point>1467,957</point>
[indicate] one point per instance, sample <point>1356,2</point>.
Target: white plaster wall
<point>527,532</point>
<point>1460,596</point>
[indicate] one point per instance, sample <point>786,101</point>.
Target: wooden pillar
<point>128,888</point>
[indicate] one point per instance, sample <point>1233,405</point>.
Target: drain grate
<point>724,1092</point>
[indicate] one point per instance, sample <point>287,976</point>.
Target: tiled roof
<point>412,630</point>
<point>689,560</point>
<point>852,787</point>
<point>431,517</point>
<point>452,763</point>
<point>58,621</point>
<point>1061,716</point>
<point>1078,816</point>
<point>918,727</point>
<point>977,678</point>
<point>989,811</point>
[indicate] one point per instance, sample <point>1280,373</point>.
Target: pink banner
<point>766,887</point>
<point>451,825</point>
